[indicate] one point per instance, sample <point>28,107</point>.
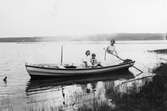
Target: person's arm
<point>108,50</point>
<point>115,51</point>
<point>85,62</point>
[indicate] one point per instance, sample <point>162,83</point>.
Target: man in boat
<point>86,59</point>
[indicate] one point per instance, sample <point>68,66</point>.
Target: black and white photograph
<point>83,55</point>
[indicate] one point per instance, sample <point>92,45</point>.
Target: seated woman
<point>86,59</point>
<point>94,62</point>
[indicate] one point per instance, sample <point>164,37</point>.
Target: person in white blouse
<point>112,54</point>
<point>111,48</point>
<point>86,59</point>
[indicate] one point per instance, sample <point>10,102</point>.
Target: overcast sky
<point>81,17</point>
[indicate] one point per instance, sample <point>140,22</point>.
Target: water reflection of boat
<point>37,71</point>
<point>69,93</point>
<point>44,84</point>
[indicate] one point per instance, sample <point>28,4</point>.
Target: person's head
<point>87,53</point>
<point>112,42</point>
<point>93,56</point>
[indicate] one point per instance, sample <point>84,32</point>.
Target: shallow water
<point>107,92</point>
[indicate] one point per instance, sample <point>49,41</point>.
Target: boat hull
<point>38,71</point>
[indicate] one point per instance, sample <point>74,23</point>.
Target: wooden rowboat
<point>54,71</point>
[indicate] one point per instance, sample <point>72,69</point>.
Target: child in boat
<point>94,62</point>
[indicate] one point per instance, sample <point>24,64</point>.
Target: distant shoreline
<point>34,40</point>
<point>98,37</point>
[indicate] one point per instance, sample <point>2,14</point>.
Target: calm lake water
<point>118,92</point>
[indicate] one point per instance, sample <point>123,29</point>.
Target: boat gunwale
<point>73,69</point>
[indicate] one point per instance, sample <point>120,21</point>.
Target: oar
<point>124,60</point>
